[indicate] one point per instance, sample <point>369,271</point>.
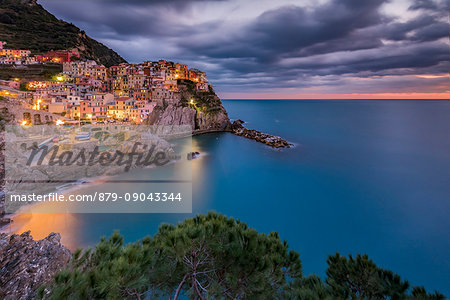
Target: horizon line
<point>296,99</point>
<point>444,95</point>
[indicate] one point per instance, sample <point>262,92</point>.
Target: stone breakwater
<point>26,264</point>
<point>270,140</point>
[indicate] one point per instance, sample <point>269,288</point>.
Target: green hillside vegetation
<point>24,24</point>
<point>30,72</point>
<point>205,101</point>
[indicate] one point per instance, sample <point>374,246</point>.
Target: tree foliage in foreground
<point>215,257</point>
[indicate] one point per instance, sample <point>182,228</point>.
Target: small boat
<point>70,184</point>
<point>46,142</point>
<point>64,186</point>
<point>83,136</point>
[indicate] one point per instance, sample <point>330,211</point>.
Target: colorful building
<point>59,56</point>
<point>15,53</point>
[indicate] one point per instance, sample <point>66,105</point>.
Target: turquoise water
<point>364,176</point>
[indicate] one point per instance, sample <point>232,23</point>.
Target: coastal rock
<point>203,111</point>
<point>26,264</point>
<point>199,121</point>
<point>176,115</point>
<point>213,121</point>
<point>270,140</point>
<point>237,125</point>
<point>3,220</point>
<point>192,155</point>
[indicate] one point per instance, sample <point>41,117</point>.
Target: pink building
<point>144,109</point>
<point>202,86</point>
<point>14,84</point>
<point>59,56</point>
<point>93,110</point>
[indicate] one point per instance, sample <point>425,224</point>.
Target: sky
<point>283,49</point>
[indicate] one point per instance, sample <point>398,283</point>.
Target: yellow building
<point>100,73</point>
<point>14,52</point>
<point>120,85</point>
<point>133,114</point>
<point>112,111</point>
<point>75,112</point>
<point>121,109</point>
<point>55,108</point>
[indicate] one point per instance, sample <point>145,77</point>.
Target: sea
<point>363,176</point>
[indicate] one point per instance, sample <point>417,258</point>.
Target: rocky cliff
<point>203,110</point>
<point>5,118</point>
<point>25,24</point>
<point>26,264</point>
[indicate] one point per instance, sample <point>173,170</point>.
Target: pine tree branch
<point>177,292</point>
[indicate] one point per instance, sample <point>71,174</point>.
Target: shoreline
<point>236,129</point>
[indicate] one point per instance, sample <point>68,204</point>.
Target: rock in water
<point>270,140</point>
<point>26,264</point>
<point>237,125</point>
<point>192,155</point>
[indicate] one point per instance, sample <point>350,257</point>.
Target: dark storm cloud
<point>438,6</point>
<point>284,46</point>
<point>423,28</point>
<point>294,32</point>
<point>150,2</point>
<point>288,30</point>
<point>294,27</point>
<point>423,4</point>
<point>418,57</point>
<point>124,19</point>
<point>431,32</point>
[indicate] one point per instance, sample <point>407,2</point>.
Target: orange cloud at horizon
<point>432,76</point>
<point>443,95</point>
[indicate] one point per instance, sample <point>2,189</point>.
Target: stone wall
<point>35,117</point>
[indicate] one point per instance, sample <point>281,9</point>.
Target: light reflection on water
<point>365,176</point>
<point>42,224</point>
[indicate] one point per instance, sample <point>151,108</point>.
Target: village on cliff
<point>91,93</point>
